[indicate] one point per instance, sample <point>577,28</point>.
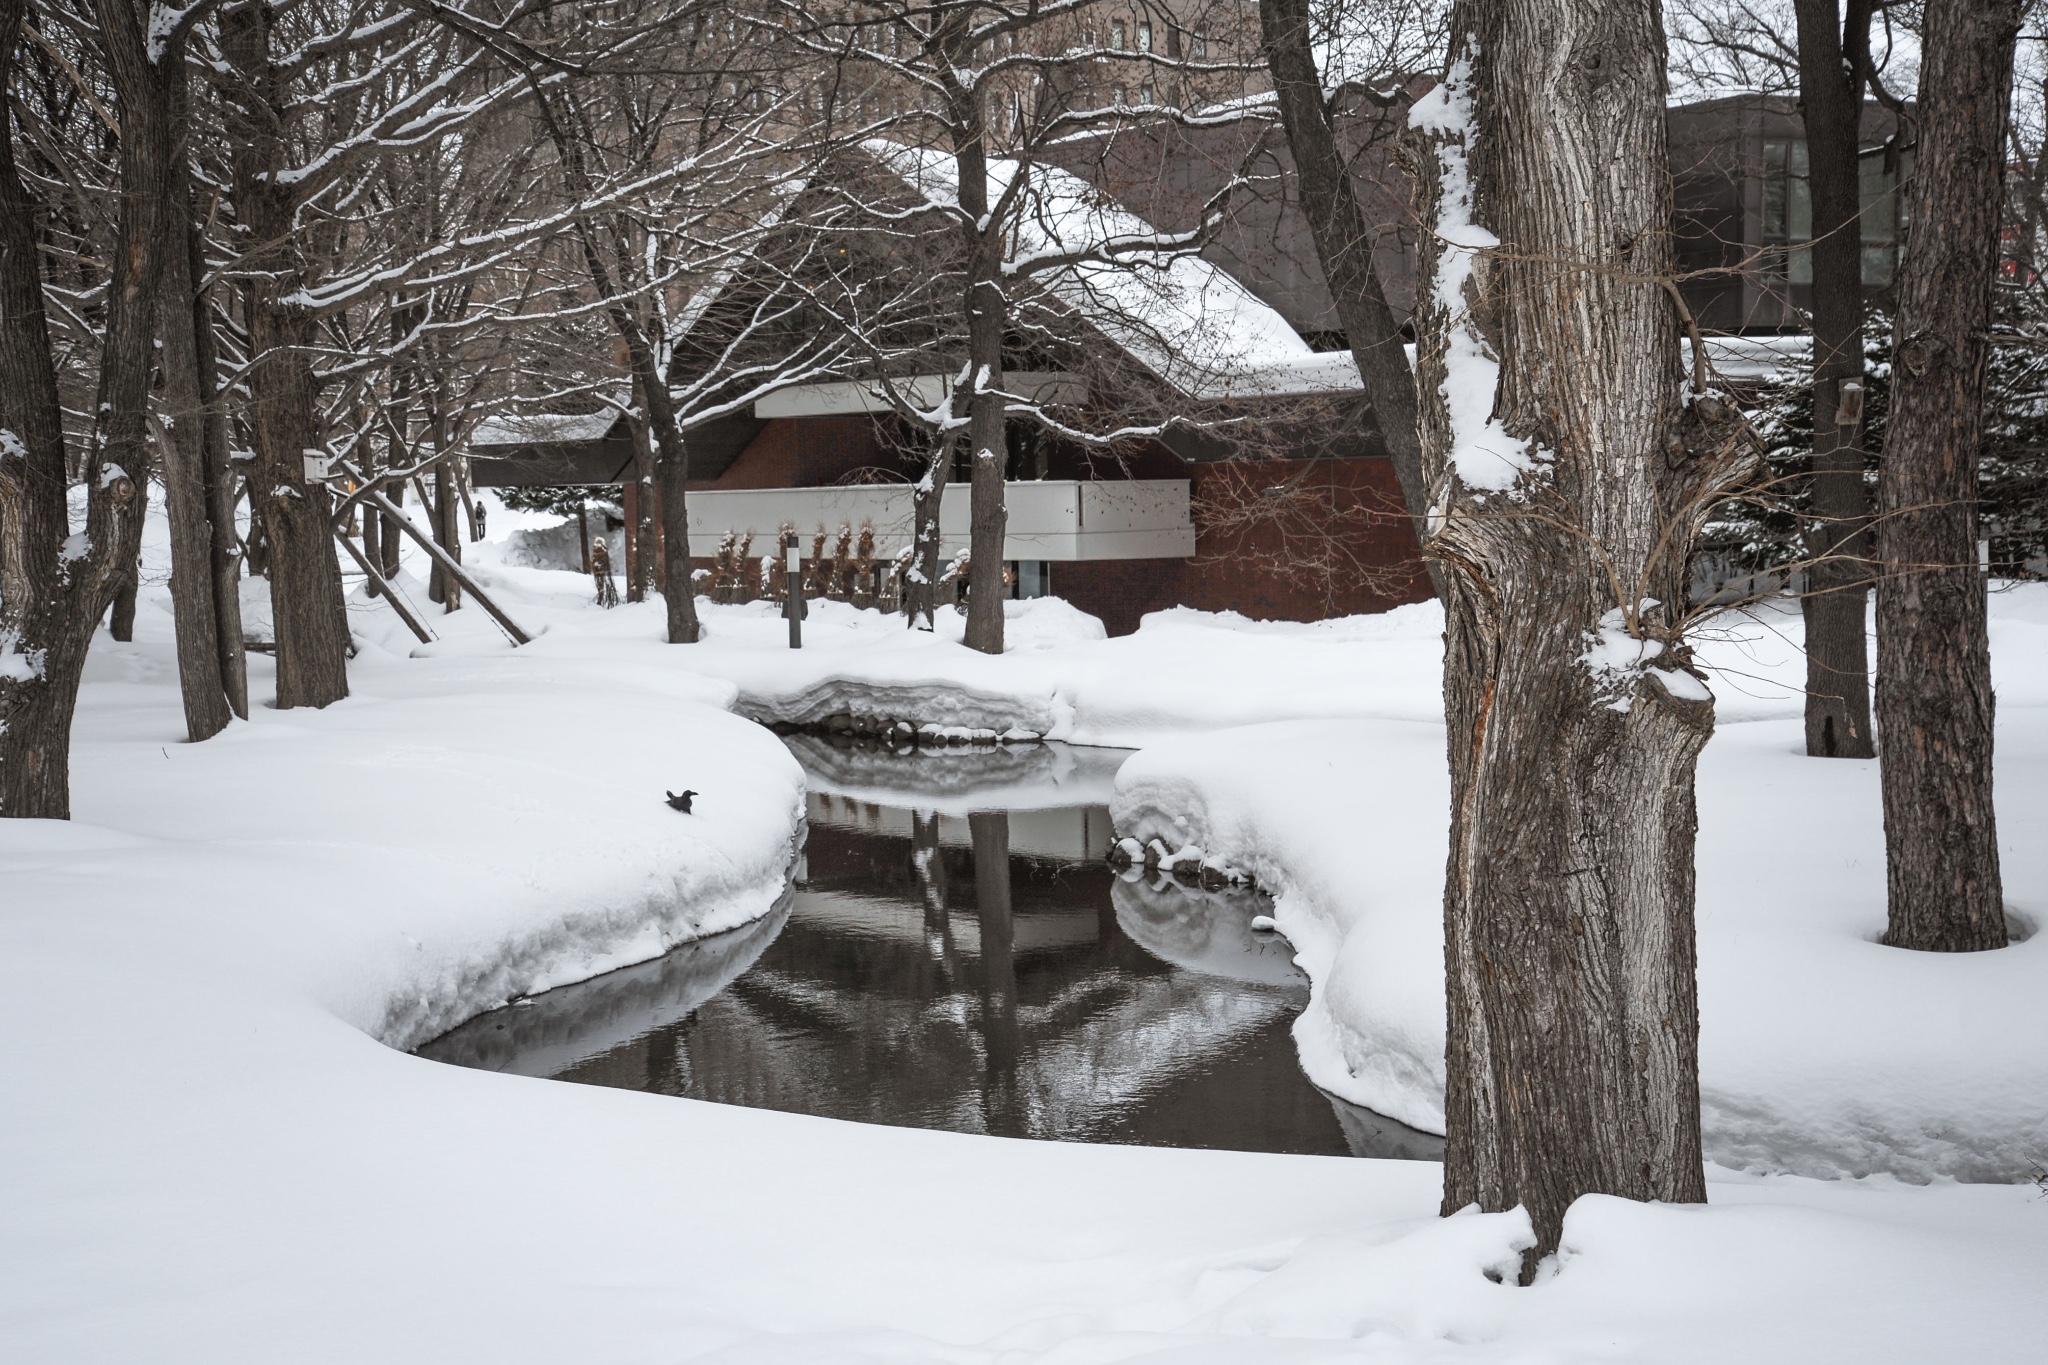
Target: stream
<point>955,953</point>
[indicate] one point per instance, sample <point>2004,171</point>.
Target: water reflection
<point>958,955</point>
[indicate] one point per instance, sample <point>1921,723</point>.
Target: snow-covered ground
<point>211,1150</point>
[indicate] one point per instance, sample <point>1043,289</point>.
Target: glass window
<point>1199,45</point>
<point>1788,213</point>
<point>1118,32</point>
<point>1145,35</point>
<point>1146,94</point>
<point>1884,214</point>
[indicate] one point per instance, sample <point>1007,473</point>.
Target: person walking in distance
<point>601,573</point>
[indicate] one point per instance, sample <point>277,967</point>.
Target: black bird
<point>680,802</point>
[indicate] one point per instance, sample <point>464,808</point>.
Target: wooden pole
<point>454,570</point>
<point>379,584</point>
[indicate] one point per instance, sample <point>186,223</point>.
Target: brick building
<point>1301,524</point>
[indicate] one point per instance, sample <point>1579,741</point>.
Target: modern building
<point>1745,216</point>
<point>1304,522</point>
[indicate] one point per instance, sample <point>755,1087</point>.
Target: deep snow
<point>210,1153</point>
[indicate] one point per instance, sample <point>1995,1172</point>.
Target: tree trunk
<point>306,604</point>
<point>1838,576</point>
<point>373,535</point>
<point>121,621</point>
<point>194,612</point>
<point>678,590</point>
<point>983,239</point>
<point>1934,700</point>
<point>398,449</point>
<point>390,534</point>
<point>921,583</point>
<point>988,519</point>
<point>1344,247</point>
<point>226,548</point>
<point>1574,719</point>
<point>447,533</point>
<point>152,103</point>
<point>629,536</point>
<point>53,590</point>
<point>643,530</point>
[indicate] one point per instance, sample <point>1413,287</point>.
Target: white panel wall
<point>1049,519</point>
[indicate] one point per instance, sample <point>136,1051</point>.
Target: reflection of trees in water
<point>563,1026</point>
<point>1204,931</point>
<point>929,865</point>
<point>956,777</point>
<point>975,989</point>
<point>1001,1043</point>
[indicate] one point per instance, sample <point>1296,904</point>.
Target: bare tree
<point>313,97</point>
<point>1834,70</point>
<point>1934,699</point>
<point>1822,51</point>
<point>1571,469</point>
<point>1344,245</point>
<point>146,60</point>
<point>989,87</point>
<point>56,583</point>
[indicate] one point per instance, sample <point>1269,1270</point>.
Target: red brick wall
<point>1333,544</point>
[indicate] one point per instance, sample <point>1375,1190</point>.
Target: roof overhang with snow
<point>923,393</point>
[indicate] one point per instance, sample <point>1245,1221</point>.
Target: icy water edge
<point>955,953</point>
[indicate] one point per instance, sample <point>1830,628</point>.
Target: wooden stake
<point>453,568</point>
<point>380,584</point>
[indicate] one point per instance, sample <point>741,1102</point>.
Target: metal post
<point>793,602</point>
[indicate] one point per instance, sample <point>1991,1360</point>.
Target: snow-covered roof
<point>1183,317</point>
<point>543,428</point>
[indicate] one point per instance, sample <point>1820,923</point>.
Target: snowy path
<point>207,1155</point>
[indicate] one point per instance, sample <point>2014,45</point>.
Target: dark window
<point>1788,214</point>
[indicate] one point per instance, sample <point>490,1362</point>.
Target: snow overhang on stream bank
<point>207,1156</point>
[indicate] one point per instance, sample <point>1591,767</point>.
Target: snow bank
<point>1060,678</point>
<point>206,1156</point>
<point>1822,1052</point>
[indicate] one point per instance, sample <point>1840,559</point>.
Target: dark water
<point>956,954</point>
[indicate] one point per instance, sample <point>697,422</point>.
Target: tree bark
<point>152,102</point>
<point>921,584</point>
<point>1934,700</point>
<point>226,546</point>
<point>982,239</point>
<point>306,604</point>
<point>447,534</point>
<point>988,517</point>
<point>391,533</point>
<point>1838,576</point>
<point>54,589</point>
<point>398,448</point>
<point>373,536</point>
<point>679,591</point>
<point>1574,716</point>
<point>121,620</point>
<point>1344,247</point>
